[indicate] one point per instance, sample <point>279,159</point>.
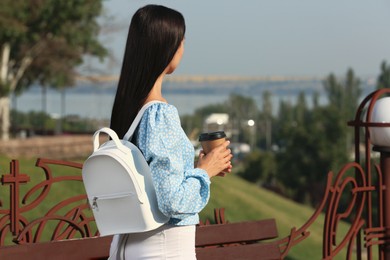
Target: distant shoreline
<point>210,78</point>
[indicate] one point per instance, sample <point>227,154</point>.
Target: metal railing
<point>368,187</point>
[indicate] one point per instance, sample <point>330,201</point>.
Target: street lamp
<point>380,136</point>
<point>251,124</point>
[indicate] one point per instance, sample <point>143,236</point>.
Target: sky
<point>309,38</point>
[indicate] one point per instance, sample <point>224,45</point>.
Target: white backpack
<point>119,185</point>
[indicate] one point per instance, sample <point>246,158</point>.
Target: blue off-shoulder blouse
<point>182,190</point>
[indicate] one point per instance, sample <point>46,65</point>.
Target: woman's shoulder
<point>161,113</point>
<point>162,109</point>
<point>159,118</point>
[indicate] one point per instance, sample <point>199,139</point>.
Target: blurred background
<point>282,78</point>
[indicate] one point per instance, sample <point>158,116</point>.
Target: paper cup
<point>211,140</point>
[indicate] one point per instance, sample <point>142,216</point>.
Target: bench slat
<point>252,252</point>
<point>78,249</point>
<point>97,248</point>
<point>236,232</point>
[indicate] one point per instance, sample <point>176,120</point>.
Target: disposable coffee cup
<point>211,140</point>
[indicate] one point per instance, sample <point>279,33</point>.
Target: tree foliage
<point>47,40</point>
<point>32,123</point>
<point>312,141</point>
<point>343,94</point>
<point>259,167</point>
<point>384,76</point>
<point>43,41</point>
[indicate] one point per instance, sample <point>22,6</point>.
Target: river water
<point>96,102</point>
<point>99,105</point>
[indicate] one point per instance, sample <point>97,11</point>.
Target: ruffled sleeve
<point>182,190</point>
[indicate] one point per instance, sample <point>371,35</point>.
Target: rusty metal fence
<point>68,218</point>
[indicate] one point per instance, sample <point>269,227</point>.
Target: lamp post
<point>385,168</point>
<point>251,124</point>
<point>380,138</point>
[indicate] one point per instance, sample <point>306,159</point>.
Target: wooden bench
<point>241,240</point>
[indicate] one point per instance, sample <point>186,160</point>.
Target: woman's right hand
<point>217,160</point>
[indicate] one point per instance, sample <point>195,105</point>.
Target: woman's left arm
<point>181,189</point>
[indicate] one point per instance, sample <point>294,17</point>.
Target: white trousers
<point>166,242</point>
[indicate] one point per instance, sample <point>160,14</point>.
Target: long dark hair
<point>155,34</point>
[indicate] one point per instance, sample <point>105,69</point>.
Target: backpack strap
<point>137,119</point>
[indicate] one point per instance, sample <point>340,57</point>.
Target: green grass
<point>242,201</point>
<point>58,191</point>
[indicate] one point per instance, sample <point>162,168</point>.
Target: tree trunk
<point>9,81</point>
<point>4,117</point>
<point>4,101</point>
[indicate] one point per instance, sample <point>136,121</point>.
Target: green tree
<point>290,118</point>
<point>259,167</point>
<point>310,149</point>
<point>296,153</point>
<point>265,121</point>
<point>240,110</point>
<point>334,91</point>
<point>352,92</point>
<point>267,105</point>
<point>43,41</point>
<point>324,141</point>
<point>383,80</point>
<point>301,109</point>
<point>343,94</point>
<point>285,122</point>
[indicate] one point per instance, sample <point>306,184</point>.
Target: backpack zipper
<point>108,197</point>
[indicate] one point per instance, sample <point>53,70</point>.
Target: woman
<point>154,48</point>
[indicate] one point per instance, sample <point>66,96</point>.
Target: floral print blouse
<point>182,190</point>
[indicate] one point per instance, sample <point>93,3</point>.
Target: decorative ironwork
<point>360,210</point>
<point>69,218</point>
